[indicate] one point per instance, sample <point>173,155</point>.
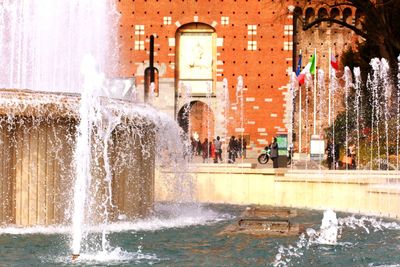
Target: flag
<point>309,68</point>
<point>334,62</point>
<point>303,73</point>
<point>313,67</point>
<point>298,69</point>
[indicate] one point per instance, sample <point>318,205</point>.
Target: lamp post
<point>151,75</point>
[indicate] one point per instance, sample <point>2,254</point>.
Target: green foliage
<point>371,147</point>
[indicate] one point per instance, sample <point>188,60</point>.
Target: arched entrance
<point>197,117</point>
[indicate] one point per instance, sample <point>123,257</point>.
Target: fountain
<point>79,168</point>
<point>73,155</point>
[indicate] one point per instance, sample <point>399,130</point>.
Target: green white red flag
<point>309,68</point>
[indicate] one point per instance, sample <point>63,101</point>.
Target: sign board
<point>282,141</point>
<point>317,148</point>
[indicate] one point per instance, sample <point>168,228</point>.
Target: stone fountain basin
<point>37,142</point>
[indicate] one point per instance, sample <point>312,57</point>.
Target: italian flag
<point>309,68</point>
<point>334,62</point>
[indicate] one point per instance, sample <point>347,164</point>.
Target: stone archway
<point>197,117</point>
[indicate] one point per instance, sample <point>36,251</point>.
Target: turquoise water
<point>188,236</point>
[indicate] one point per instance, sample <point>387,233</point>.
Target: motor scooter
<point>263,158</point>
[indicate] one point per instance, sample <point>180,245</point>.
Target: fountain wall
<point>34,174</point>
<point>361,192</point>
<point>37,140</point>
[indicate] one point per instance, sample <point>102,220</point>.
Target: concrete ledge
<point>341,176</point>
<point>385,189</point>
<point>369,193</point>
<point>221,169</point>
<point>224,165</point>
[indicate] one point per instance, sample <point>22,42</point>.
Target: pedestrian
<point>236,145</point>
<point>232,149</point>
<point>193,146</point>
<point>206,150</point>
<point>274,153</point>
<point>290,152</point>
<point>218,150</point>
<point>239,147</point>
<point>212,149</point>
<point>244,147</point>
<point>336,152</point>
<point>199,147</point>
<point>329,155</point>
<point>352,149</point>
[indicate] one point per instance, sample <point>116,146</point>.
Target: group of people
<point>333,155</point>
<point>207,149</point>
<point>212,149</point>
<point>236,148</point>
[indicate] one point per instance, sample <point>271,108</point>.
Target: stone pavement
<point>246,161</point>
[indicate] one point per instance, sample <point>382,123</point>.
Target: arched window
<point>322,13</point>
<point>347,15</point>
<point>335,14</point>
<point>310,15</point>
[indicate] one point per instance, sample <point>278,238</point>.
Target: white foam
<point>113,257</point>
<point>45,230</point>
<point>330,231</point>
<point>190,215</point>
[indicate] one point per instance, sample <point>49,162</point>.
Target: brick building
<point>201,49</point>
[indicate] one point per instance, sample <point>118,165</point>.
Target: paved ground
<point>298,164</point>
<point>199,159</point>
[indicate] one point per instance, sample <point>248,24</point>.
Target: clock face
<point>195,56</point>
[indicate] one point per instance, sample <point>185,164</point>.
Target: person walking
<point>193,145</point>
<point>212,150</point>
<point>232,150</point>
<point>274,153</point>
<point>336,153</point>
<point>218,150</point>
<point>199,147</point>
<point>330,155</point>
<point>244,147</point>
<point>205,150</point>
<point>239,147</point>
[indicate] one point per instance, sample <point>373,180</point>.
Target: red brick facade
<point>254,39</point>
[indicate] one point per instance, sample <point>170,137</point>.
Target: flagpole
<point>329,87</point>
<point>300,111</point>
<point>315,93</point>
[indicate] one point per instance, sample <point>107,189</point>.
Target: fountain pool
<point>44,44</point>
<point>191,238</point>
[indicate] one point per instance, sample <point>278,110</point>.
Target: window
<point>287,46</point>
<point>224,20</point>
<point>288,30</point>
<point>139,29</point>
<point>252,32</point>
<point>139,45</point>
<point>252,45</point>
<point>251,29</point>
<point>139,39</point>
<point>167,20</point>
